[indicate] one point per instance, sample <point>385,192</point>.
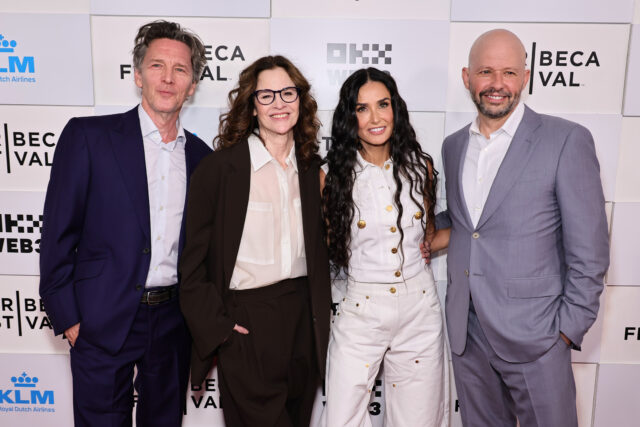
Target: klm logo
<point>24,392</point>
<point>15,64</point>
<point>344,58</point>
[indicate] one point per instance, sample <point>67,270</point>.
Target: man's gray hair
<point>173,31</point>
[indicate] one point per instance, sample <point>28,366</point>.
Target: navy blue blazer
<point>96,246</point>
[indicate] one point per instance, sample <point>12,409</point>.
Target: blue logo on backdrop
<point>14,64</point>
<point>24,396</point>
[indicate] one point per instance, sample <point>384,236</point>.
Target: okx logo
<point>365,54</point>
<point>560,68</point>
<point>25,394</point>
<point>344,58</point>
<point>18,67</point>
<point>20,233</point>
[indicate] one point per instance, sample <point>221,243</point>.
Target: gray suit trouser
<point>493,392</point>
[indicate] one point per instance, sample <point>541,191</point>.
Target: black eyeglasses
<point>267,96</point>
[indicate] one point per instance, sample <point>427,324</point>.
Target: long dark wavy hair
<point>239,122</point>
<point>408,160</point>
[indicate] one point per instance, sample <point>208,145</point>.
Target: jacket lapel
<point>309,180</point>
<point>129,153</point>
<point>191,160</point>
<point>459,153</point>
<point>513,164</point>
<point>236,199</point>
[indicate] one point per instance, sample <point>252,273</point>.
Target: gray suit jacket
<point>535,263</point>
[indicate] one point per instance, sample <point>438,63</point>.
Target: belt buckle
<point>154,294</point>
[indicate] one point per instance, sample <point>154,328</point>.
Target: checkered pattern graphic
<point>23,223</point>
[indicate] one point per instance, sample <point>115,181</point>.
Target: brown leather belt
<point>159,295</point>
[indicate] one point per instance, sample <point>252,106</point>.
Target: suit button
<point>393,229</point>
<point>146,251</point>
<point>387,166</point>
<point>394,250</point>
<point>362,224</point>
<point>392,290</point>
<point>466,273</point>
<point>389,208</point>
<point>475,235</point>
<point>397,273</point>
<point>138,287</point>
<point>417,215</point>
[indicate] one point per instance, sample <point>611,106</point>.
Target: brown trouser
<point>269,377</point>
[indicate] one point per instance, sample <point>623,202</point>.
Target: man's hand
<point>425,250</point>
<point>72,334</point>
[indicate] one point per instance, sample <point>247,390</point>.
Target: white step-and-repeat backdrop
<point>73,58</point>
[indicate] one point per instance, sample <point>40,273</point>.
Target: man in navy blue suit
<point>113,232</point>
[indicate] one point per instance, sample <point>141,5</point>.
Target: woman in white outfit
<point>378,202</point>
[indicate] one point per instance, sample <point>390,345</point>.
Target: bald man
<point>528,250</point>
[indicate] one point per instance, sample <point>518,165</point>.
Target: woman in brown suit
<point>255,275</point>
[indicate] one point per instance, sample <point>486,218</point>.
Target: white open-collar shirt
<point>167,185</point>
<point>272,244</point>
<point>483,159</point>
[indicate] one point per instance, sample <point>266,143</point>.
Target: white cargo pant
<point>400,323</point>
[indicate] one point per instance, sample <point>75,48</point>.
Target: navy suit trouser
<point>158,346</point>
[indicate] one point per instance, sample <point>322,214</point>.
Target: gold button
<point>362,224</point>
<point>418,215</point>
<point>366,365</point>
<point>475,235</point>
<point>393,229</point>
<point>466,273</point>
<point>394,385</point>
<point>394,250</point>
<point>389,208</point>
<point>417,361</point>
<point>344,299</point>
<point>424,292</point>
<point>357,304</point>
<point>392,290</point>
<point>387,166</point>
<point>397,273</point>
<point>367,297</point>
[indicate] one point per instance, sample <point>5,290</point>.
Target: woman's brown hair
<point>239,122</point>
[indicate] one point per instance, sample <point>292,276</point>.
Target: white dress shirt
<point>483,159</point>
<point>375,238</point>
<point>167,183</point>
<point>272,244</point>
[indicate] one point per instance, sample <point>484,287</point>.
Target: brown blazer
<point>216,209</point>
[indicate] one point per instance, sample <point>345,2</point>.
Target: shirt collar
<point>362,164</point>
<point>509,127</point>
<point>151,132</point>
<point>260,156</point>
